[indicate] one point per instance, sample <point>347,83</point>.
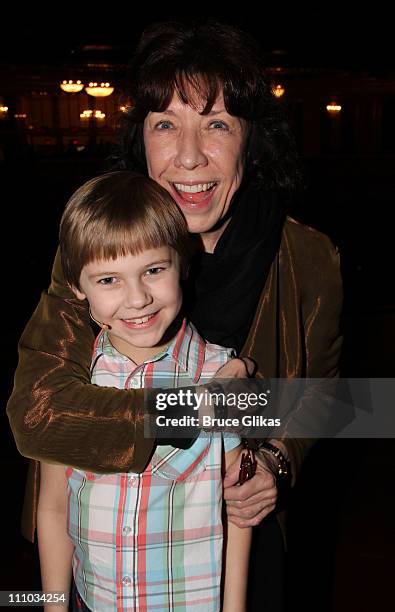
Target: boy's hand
<point>237,368</point>
<point>248,504</point>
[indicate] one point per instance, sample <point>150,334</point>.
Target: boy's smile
<point>137,296</point>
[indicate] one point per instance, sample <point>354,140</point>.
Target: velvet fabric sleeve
<point>296,331</point>
<point>56,415</point>
<point>321,299</point>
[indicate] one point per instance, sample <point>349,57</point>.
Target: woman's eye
<point>218,125</point>
<point>108,280</point>
<point>163,125</point>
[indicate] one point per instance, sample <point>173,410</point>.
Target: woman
<point>205,126</point>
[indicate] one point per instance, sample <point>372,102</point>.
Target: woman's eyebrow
<point>216,112</point>
<point>165,112</point>
<point>168,111</point>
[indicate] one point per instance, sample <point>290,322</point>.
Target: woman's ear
<point>78,294</point>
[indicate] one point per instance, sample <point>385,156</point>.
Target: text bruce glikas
<point>192,399</point>
<point>197,401</point>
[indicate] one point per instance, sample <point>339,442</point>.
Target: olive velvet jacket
<point>56,415</point>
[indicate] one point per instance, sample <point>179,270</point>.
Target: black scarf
<point>224,287</point>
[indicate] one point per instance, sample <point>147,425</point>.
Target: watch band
<point>282,463</point>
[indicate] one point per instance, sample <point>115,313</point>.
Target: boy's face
<point>137,296</point>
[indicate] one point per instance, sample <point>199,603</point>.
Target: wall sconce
<point>333,108</point>
<point>278,90</point>
<point>71,86</point>
<point>87,115</point>
<point>3,112</point>
<point>99,91</point>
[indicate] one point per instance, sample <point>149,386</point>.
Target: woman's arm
<point>55,413</point>
<point>312,263</point>
<point>56,548</point>
<point>237,554</point>
<point>321,302</point>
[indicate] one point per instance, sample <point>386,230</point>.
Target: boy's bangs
<point>121,242</point>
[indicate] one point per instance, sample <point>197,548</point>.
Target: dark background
<point>323,34</point>
<point>341,544</point>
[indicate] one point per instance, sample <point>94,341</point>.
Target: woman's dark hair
<point>202,59</point>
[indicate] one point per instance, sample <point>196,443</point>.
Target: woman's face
<point>198,159</point>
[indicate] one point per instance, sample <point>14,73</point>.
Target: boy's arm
<point>55,413</point>
<point>56,548</point>
<point>237,556</point>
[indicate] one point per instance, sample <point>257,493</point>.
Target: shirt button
<point>126,530</point>
<point>126,580</point>
<point>131,480</point>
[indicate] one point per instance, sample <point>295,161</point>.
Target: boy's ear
<point>78,294</point>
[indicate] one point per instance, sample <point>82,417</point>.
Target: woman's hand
<point>237,368</point>
<point>248,504</point>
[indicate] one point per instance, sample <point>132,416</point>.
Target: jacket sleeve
<point>321,298</point>
<point>56,415</point>
<point>322,302</point>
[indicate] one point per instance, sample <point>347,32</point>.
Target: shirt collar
<point>187,349</point>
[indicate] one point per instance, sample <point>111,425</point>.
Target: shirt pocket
<point>182,465</point>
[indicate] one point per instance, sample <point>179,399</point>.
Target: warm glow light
<point>71,86</point>
<point>99,90</point>
<point>20,115</point>
<point>333,107</point>
<point>278,90</point>
<point>90,114</point>
<point>3,112</point>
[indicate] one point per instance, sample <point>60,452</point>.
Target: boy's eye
<point>153,271</point>
<point>108,280</point>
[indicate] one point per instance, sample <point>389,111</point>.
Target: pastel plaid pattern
<point>153,541</point>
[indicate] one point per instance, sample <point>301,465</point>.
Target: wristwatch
<point>282,463</point>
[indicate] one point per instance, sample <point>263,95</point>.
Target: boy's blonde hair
<point>118,214</point>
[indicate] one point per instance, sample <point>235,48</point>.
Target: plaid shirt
<point>153,541</point>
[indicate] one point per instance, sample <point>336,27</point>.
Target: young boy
<point>150,541</point>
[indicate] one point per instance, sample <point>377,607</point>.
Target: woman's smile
<point>195,196</point>
<point>198,159</point>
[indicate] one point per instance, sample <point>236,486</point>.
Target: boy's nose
<point>138,296</point>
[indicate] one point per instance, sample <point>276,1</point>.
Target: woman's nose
<point>190,153</point>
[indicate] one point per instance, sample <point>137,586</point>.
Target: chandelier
<point>278,90</point>
<point>71,86</point>
<point>99,90</point>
